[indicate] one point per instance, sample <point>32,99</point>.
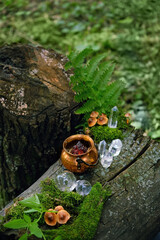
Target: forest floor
<point>128,31</point>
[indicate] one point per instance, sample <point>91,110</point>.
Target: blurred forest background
<point>127,30</point>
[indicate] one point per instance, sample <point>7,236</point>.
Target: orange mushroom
<point>63,216</point>
<point>87,131</point>
<point>58,208</point>
<point>94,114</point>
<point>92,121</point>
<point>127,115</point>
<point>50,218</point>
<point>102,120</point>
<point>103,115</point>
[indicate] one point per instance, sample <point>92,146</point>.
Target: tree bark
<point>132,212</point>
<point>36,105</point>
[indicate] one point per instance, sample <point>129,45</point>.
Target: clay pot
<point>79,162</point>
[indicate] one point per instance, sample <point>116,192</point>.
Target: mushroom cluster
<point>96,118</point>
<point>57,215</point>
<point>128,117</point>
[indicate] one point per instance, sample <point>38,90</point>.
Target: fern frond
<point>100,71</point>
<point>80,97</point>
<point>91,83</point>
<point>93,65</point>
<point>88,106</point>
<point>103,80</point>
<point>110,90</point>
<point>112,93</point>
<point>79,59</point>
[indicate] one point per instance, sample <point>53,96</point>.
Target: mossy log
<point>36,105</point>
<point>132,212</point>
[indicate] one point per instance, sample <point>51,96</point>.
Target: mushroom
<point>87,131</point>
<point>92,121</point>
<point>103,115</point>
<point>58,208</point>
<point>63,216</point>
<point>50,218</point>
<point>102,120</point>
<point>94,114</point>
<point>127,115</point>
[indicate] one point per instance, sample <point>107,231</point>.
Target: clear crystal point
<point>113,118</point>
<point>66,181</point>
<point>115,147</point>
<point>102,148</point>
<point>83,187</point>
<point>107,160</point>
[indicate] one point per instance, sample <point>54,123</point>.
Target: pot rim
<point>78,137</point>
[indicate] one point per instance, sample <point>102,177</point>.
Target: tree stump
<point>36,103</point>
<point>132,212</point>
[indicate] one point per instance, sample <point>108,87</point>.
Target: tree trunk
<point>132,212</point>
<point>36,103</point>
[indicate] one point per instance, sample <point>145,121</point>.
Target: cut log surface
<point>36,103</point>
<point>133,210</point>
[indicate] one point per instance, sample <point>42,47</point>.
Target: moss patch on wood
<point>85,225</point>
<point>105,133</point>
<point>85,211</point>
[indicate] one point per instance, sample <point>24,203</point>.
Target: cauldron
<point>79,162</point>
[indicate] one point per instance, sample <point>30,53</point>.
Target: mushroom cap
<point>103,115</point>
<point>92,121</point>
<point>102,120</point>
<point>50,218</point>
<point>87,131</point>
<point>63,216</point>
<point>127,115</point>
<point>94,114</point>
<point>58,208</point>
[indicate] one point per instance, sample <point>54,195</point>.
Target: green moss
<point>85,211</point>
<point>100,133</point>
<point>85,225</point>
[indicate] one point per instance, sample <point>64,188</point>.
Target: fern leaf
<point>100,71</point>
<point>103,80</point>
<point>93,65</point>
<point>80,97</point>
<point>112,93</point>
<point>88,106</point>
<point>79,59</point>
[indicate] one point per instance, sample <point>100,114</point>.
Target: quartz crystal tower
<point>113,118</point>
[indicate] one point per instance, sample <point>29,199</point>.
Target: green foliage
<point>85,212</point>
<point>85,225</point>
<point>105,133</point>
<point>91,82</point>
<point>128,30</point>
<point>26,222</point>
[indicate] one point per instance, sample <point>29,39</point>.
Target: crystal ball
<point>83,187</point>
<point>66,181</point>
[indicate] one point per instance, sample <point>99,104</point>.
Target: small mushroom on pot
<point>58,208</point>
<point>102,120</point>
<point>87,131</point>
<point>92,121</point>
<point>94,114</point>
<point>63,216</point>
<point>50,218</point>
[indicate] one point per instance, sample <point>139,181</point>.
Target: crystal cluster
<point>106,157</point>
<point>66,181</point>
